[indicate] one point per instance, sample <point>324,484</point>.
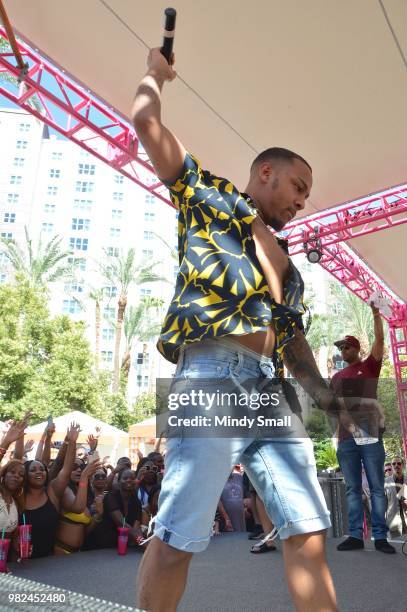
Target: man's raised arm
<point>164,150</point>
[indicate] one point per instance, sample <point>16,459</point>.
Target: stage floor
<point>226,577</point>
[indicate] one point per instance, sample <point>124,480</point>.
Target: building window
<point>86,169</point>
<point>7,235</point>
<point>107,334</point>
<point>71,307</point>
<point>107,356</point>
<point>74,287</point>
<point>12,198</point>
<point>117,213</point>
<point>83,205</point>
<point>54,173</point>
<point>139,359</point>
<point>21,144</point>
<point>149,199</point>
<point>15,180</point>
<point>49,208</point>
<point>84,186</point>
<point>47,227</point>
<point>118,179</point>
<point>24,127</point>
<point>80,244</point>
<point>109,312</point>
<point>114,232</point>
<point>113,251</point>
<point>145,382</point>
<point>51,190</point>
<point>56,155</point>
<point>110,292</point>
<point>145,292</point>
<point>147,253</point>
<point>148,235</point>
<point>149,216</point>
<point>139,380</point>
<point>78,263</point>
<point>18,162</point>
<point>3,278</point>
<point>9,217</point>
<point>80,224</point>
<point>118,196</point>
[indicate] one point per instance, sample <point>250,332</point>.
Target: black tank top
<point>44,521</point>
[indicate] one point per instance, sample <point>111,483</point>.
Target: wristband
<point>83,483</point>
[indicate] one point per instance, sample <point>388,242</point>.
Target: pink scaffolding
<point>55,98</point>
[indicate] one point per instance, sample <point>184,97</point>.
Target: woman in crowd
<point>43,498</point>
<point>121,508</point>
<point>146,479</point>
<point>75,519</point>
<point>11,498</point>
<point>98,488</point>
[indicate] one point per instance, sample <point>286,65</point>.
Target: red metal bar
<point>398,338</point>
<point>78,115</point>
<point>351,220</point>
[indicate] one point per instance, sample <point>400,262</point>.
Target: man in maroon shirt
<point>365,446</point>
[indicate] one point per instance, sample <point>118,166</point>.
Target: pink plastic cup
<point>122,540</point>
<point>4,546</point>
<point>25,540</point>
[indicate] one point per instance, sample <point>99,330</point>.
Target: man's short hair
<point>278,154</point>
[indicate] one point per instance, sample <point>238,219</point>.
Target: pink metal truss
<point>58,101</point>
<point>351,220</point>
<point>398,337</point>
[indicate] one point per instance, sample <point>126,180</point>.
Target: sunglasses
<point>396,463</point>
<point>99,477</point>
<point>78,466</point>
<point>388,470</point>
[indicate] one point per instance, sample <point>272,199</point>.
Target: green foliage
<point>120,416</point>
<point>325,455</point>
<point>45,363</point>
<point>144,407</point>
<point>37,264</point>
<point>393,446</point>
<point>387,397</point>
<point>317,425</point>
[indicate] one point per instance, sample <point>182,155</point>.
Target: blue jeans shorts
<point>281,469</point>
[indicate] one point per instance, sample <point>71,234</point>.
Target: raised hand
<point>28,446</point>
<point>50,430</point>
<point>14,433</point>
<point>90,469</point>
<point>92,442</point>
<point>73,432</point>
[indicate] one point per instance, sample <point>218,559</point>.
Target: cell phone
<point>50,421</point>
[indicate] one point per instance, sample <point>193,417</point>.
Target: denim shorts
<point>281,469</point>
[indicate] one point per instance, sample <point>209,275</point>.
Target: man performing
<point>238,299</point>
<point>359,380</point>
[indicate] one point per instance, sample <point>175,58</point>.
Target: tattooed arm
<point>300,362</point>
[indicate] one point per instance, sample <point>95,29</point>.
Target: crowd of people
<point>76,501</point>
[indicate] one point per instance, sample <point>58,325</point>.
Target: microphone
<point>170,15</point>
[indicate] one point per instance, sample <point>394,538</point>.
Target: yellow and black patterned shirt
<point>220,288</point>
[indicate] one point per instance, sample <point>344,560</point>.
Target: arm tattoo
<point>299,360</point>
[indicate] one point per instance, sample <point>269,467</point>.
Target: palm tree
<point>122,272</point>
<point>97,296</point>
<point>41,265</point>
<point>139,326</point>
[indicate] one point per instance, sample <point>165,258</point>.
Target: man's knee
<point>166,555</point>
